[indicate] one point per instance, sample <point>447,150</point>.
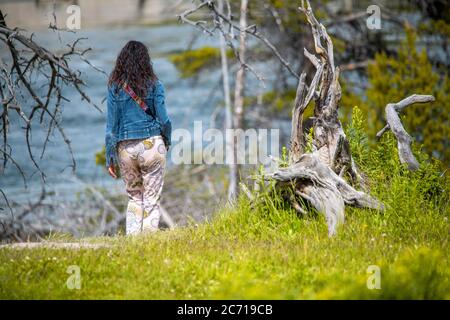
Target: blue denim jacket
<point>126,120</point>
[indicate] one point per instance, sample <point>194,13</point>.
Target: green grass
<point>265,250</point>
<point>249,253</point>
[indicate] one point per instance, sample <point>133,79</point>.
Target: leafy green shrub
<point>189,63</point>
<point>358,137</point>
<point>416,274</point>
<point>100,157</point>
<point>393,78</point>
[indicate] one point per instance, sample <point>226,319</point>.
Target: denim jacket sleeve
<point>161,112</point>
<point>112,124</point>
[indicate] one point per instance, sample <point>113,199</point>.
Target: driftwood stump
<point>394,124</point>
<point>318,176</point>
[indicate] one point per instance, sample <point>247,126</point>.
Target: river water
<point>186,100</point>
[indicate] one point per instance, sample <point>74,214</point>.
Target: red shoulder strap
<point>141,103</point>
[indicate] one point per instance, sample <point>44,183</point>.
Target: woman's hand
<point>112,171</point>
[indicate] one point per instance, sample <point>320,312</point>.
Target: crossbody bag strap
<point>140,102</point>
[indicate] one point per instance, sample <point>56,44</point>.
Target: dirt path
<point>55,245</point>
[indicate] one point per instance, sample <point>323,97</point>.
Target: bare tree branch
<point>32,101</point>
<point>394,124</point>
<point>32,79</point>
<point>252,30</point>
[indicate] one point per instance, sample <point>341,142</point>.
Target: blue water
<point>187,101</point>
<point>84,125</point>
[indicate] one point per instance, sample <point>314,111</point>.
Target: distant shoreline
<point>37,15</point>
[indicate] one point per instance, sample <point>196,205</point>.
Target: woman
<point>137,135</point>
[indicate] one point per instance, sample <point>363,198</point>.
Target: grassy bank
<point>266,250</point>
<point>247,253</point>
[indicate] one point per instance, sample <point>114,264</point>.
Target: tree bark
<point>240,82</point>
<point>394,124</point>
<point>240,75</point>
<point>317,175</point>
<point>232,188</point>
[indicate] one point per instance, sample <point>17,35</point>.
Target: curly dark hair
<point>134,66</point>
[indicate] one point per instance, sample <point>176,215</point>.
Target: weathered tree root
<point>325,190</point>
<point>318,176</point>
<point>394,124</point>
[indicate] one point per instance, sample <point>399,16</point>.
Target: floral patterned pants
<point>142,163</point>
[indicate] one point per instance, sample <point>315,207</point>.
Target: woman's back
<point>133,121</point>
<point>137,137</point>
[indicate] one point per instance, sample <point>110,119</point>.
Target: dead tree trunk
<point>232,188</point>
<point>240,83</point>
<point>240,75</point>
<point>318,176</point>
<point>394,123</point>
